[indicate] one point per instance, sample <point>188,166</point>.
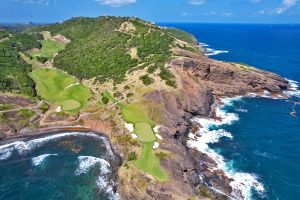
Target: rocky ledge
<point>202,82</point>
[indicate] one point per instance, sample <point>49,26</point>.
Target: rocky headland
<point>201,83</point>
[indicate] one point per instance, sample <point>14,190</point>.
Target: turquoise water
<point>258,137</point>
<point>61,166</point>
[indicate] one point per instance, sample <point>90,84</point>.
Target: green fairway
<point>58,87</point>
<point>150,163</point>
<point>134,113</point>
<point>70,105</point>
<point>145,132</point>
<point>49,48</point>
<point>143,127</point>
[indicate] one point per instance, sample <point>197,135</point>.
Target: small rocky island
<point>137,83</point>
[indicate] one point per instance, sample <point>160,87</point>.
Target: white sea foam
<point>242,183</point>
<point>86,163</point>
<point>211,51</point>
<point>294,89</point>
<point>36,161</point>
<point>203,44</point>
<point>21,147</point>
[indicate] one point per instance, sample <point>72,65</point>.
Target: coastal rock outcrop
<point>203,81</point>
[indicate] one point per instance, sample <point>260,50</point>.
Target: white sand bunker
<point>158,136</point>
<point>134,136</point>
<point>58,109</point>
<point>129,127</point>
<point>155,145</point>
<point>156,128</point>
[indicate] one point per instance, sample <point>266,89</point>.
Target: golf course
<point>57,87</point>
<point>143,127</point>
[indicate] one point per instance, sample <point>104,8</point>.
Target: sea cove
<point>70,165</point>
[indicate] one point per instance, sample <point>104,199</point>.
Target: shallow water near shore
<point>59,166</point>
<point>263,141</point>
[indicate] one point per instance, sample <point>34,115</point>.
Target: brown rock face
<point>202,82</point>
<point>229,79</point>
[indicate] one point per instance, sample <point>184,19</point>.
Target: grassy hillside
<point>108,47</point>
<point>14,71</point>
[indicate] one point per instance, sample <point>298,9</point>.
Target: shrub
<point>117,94</point>
<point>131,156</point>
<point>147,80</point>
<point>105,100</point>
<point>152,69</point>
<point>129,95</point>
<point>42,59</point>
<point>127,87</point>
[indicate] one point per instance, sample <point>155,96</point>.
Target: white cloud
<point>41,2</point>
<point>116,3</point>
<point>285,5</point>
<point>197,2</point>
<point>224,14</point>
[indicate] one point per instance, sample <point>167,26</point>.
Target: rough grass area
<point>151,164</point>
<point>49,48</point>
<point>145,132</point>
<point>58,87</point>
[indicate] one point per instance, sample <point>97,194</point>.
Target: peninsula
<point>139,84</point>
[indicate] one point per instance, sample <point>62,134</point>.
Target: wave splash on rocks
<point>104,183</point>
<point>23,147</point>
<point>242,183</point>
<point>211,51</point>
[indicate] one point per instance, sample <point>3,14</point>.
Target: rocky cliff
<point>203,81</point>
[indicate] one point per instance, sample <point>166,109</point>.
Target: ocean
<point>258,141</point>
<point>60,166</point>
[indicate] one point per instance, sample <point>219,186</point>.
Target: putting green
<point>69,105</point>
<point>150,163</point>
<point>145,132</point>
<point>55,86</point>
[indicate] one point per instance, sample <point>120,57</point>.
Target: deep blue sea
<point>264,139</point>
<point>63,166</point>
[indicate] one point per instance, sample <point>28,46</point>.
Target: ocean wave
<point>36,161</point>
<point>202,44</point>
<point>294,89</point>
<point>242,183</point>
<point>86,163</point>
<point>21,147</point>
<point>211,51</point>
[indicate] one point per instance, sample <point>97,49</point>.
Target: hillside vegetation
<point>14,71</point>
<point>102,47</point>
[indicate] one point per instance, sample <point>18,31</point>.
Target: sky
<point>194,11</point>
